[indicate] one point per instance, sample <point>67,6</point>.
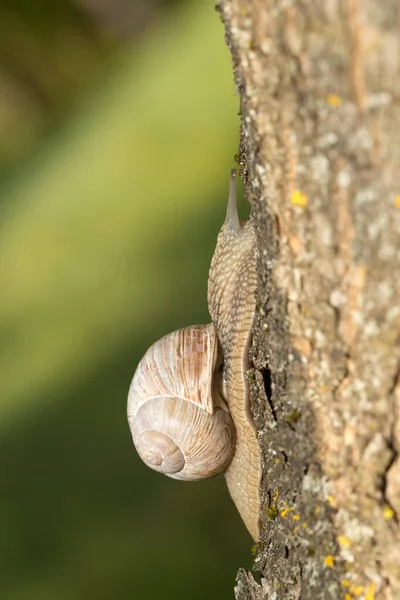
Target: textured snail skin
<point>232,286</point>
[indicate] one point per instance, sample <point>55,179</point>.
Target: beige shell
<point>179,422</point>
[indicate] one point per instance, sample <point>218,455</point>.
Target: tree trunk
<point>319,86</point>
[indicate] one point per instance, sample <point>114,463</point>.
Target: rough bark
<point>319,85</point>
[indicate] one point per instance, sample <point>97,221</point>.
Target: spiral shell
<point>179,422</point>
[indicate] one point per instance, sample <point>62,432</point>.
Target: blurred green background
<point>118,126</point>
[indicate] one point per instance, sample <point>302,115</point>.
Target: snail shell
<point>179,421</point>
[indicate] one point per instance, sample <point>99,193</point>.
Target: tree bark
<point>319,86</point>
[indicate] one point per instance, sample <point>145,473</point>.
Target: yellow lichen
<point>345,583</point>
<point>299,199</point>
<point>334,100</point>
<point>387,513</point>
<point>284,512</point>
<point>348,597</point>
<point>397,201</point>
<point>332,501</point>
<point>317,510</point>
<point>329,561</point>
<point>272,512</point>
<point>370,595</point>
<point>296,517</point>
<point>357,590</point>
<point>344,541</point>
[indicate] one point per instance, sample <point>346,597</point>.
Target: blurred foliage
<point>107,230</point>
<point>48,52</point>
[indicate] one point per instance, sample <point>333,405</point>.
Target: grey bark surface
<point>319,85</point>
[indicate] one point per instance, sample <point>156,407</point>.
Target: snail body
<point>188,405</point>
<point>232,287</point>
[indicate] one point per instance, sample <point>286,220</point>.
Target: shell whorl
<point>180,424</point>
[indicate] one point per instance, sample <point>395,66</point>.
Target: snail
<point>188,404</point>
